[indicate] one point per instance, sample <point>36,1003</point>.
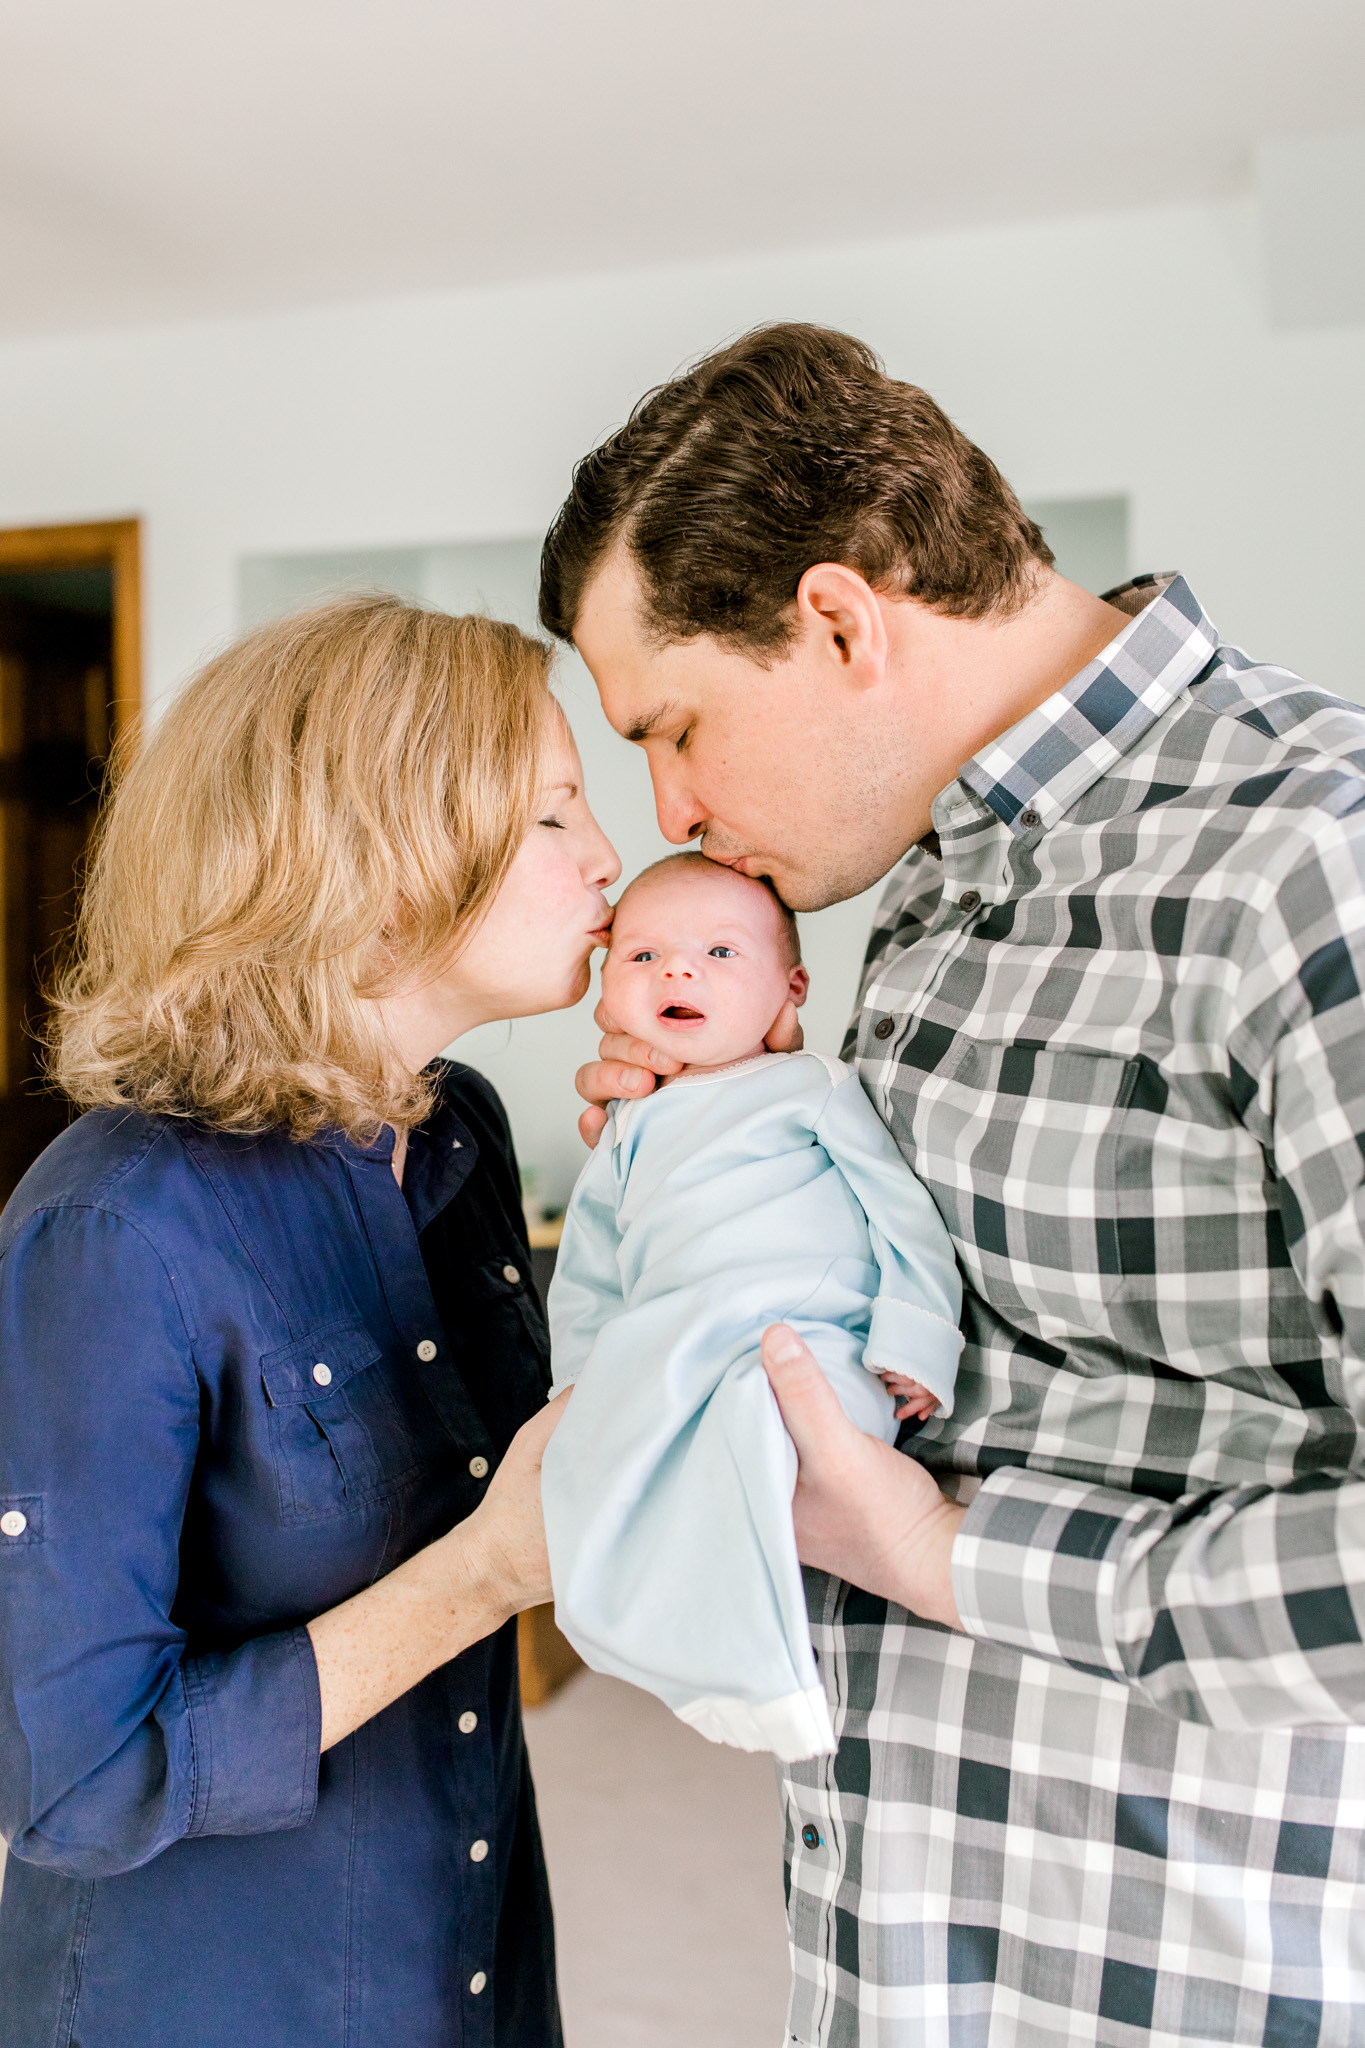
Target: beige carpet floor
<point>665,1857</point>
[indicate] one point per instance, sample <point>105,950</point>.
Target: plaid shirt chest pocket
<point>1037,1158</point>
<point>336,1433</point>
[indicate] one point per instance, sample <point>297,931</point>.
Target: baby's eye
<point>723,953</point>
<point>644,954</point>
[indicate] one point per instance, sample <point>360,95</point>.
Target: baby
<point>752,1188</point>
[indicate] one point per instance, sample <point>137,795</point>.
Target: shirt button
<point>467,1722</point>
<point>510,1275</point>
<point>426,1351</point>
<point>883,1027</point>
<point>477,1851</point>
<point>969,900</point>
<point>477,1982</point>
<point>456,1146</point>
<point>322,1374</point>
<point>13,1523</point>
<point>1030,820</point>
<point>479,1467</point>
<point>810,1836</point>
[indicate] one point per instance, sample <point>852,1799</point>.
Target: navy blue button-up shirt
<point>241,1378</point>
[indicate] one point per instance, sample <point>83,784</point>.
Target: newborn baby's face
<point>699,964</point>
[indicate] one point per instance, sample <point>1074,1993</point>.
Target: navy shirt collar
<point>442,1153</point>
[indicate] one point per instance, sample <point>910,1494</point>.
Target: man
<point>1100,1771</point>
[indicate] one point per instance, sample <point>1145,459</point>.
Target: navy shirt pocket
<point>336,1435</point>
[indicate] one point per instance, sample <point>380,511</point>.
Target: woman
<point>269,1494</point>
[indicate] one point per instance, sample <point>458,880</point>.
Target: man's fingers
<point>591,1125</point>
<point>785,1033</point>
<point>810,1407</point>
<point>604,1080</point>
<point>637,1052</point>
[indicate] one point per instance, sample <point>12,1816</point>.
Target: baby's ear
<point>798,988</point>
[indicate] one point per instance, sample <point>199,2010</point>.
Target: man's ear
<point>798,988</point>
<point>841,613</point>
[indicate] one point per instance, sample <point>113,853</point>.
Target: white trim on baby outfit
<point>792,1728</point>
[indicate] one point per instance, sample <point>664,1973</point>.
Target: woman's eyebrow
<point>555,787</point>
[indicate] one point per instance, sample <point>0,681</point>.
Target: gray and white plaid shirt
<point>1119,1032</point>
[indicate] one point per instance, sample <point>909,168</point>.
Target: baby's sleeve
<point>586,1291</point>
<point>919,1303</point>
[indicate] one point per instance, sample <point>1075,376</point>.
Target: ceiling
<point>163,159</point>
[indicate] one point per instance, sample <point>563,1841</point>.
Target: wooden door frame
<point>98,543</point>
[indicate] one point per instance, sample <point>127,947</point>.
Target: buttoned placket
<point>393,1228</point>
<point>974,848</point>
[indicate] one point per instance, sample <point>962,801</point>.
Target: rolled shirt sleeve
<point>1241,1608</point>
<point>114,1742</point>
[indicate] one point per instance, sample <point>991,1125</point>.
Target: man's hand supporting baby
<point>862,1509</point>
<point>628,1066</point>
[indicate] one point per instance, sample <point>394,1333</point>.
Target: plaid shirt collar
<point>1046,762</point>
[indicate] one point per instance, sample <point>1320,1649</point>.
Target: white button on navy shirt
<point>13,1523</point>
<point>426,1350</point>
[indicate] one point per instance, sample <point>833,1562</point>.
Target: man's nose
<point>680,815</point>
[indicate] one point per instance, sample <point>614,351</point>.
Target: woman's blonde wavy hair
<point>319,817</point>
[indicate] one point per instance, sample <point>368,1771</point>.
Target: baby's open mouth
<point>682,1013</point>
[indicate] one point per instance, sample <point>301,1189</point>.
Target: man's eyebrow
<point>646,727</point>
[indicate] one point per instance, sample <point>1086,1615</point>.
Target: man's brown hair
<point>792,446</point>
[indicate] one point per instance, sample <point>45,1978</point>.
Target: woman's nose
<point>603,866</point>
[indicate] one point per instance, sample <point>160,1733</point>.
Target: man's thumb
<point>808,1402</point>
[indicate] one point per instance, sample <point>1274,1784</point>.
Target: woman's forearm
<point>381,1642</point>
<point>377,1645</point>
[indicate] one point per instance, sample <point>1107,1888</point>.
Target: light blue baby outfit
<point>766,1192</point>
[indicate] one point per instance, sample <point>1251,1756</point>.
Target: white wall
<point>1120,356</point>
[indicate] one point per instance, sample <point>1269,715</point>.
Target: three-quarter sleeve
<point>114,1742</point>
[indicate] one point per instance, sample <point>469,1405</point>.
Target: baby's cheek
<point>623,1001</point>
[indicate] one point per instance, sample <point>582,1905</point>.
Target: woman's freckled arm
<point>377,1645</point>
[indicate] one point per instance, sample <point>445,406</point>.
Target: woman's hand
<point>376,1646</point>
<point>507,1529</point>
<point>862,1510</point>
<point>628,1066</point>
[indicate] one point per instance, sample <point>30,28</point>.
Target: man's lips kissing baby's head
<point>701,961</point>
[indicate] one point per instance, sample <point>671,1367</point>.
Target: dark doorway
<point>62,695</point>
